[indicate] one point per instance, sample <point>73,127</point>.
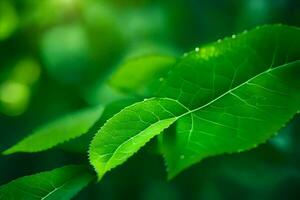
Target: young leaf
<point>62,183</point>
<point>57,132</point>
<point>139,74</point>
<point>225,97</point>
<point>128,131</point>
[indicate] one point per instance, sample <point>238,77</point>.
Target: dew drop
<point>197,49</point>
<point>233,36</point>
<point>161,79</point>
<point>219,40</point>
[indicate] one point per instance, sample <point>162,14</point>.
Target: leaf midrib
<point>61,186</point>
<point>131,138</point>
<point>232,89</point>
<point>207,104</point>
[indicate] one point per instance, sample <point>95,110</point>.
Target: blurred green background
<point>56,56</point>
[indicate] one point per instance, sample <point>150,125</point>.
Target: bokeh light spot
<point>8,19</point>
<point>14,98</point>
<point>26,71</point>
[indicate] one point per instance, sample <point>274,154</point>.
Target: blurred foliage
<point>57,56</point>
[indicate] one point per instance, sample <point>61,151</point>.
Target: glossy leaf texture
<point>129,130</point>
<point>225,97</point>
<point>240,92</point>
<point>141,74</point>
<point>58,131</point>
<point>61,183</point>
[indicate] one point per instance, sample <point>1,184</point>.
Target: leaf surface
<point>61,183</point>
<point>225,97</point>
<point>58,131</point>
<point>239,91</point>
<point>129,130</point>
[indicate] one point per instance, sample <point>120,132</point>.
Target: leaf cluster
<point>226,97</point>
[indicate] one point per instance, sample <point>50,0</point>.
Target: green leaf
<point>58,131</point>
<point>239,91</point>
<point>61,183</point>
<point>129,130</point>
<point>225,97</point>
<point>139,75</point>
